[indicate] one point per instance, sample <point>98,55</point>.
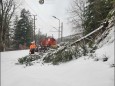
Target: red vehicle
<point>48,42</point>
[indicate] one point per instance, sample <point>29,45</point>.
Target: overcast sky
<point>45,22</point>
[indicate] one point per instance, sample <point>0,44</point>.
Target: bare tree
<point>7,11</point>
<point>76,14</point>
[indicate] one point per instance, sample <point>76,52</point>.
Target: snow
<point>107,47</point>
<point>79,72</point>
<point>75,73</point>
<point>106,51</point>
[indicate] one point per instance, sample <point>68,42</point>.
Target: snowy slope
<point>106,47</point>
<point>78,72</point>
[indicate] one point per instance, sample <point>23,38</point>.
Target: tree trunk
<point>1,46</point>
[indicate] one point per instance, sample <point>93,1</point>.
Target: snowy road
<point>75,73</point>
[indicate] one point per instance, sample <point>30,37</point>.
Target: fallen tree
<point>99,34</point>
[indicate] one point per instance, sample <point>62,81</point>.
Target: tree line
<point>7,10</point>
<point>86,16</point>
<point>16,32</point>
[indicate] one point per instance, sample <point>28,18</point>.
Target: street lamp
<point>59,26</point>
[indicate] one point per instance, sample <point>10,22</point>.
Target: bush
<point>28,58</point>
<point>62,57</point>
<point>22,60</point>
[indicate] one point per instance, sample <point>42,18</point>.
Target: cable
<point>30,7</point>
<point>46,24</point>
<point>44,21</point>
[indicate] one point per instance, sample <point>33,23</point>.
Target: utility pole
<point>61,31</point>
<point>34,26</point>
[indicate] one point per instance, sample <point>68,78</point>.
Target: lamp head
<point>54,16</point>
<point>41,1</point>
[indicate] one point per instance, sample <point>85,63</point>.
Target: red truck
<point>48,42</point>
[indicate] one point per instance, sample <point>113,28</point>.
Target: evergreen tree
<point>23,31</point>
<point>95,12</point>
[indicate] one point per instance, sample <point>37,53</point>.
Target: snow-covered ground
<point>80,72</point>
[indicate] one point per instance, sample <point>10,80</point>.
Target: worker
<point>32,47</point>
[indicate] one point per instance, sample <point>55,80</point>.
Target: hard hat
<point>33,42</point>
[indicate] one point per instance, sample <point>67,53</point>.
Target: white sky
<point>45,22</point>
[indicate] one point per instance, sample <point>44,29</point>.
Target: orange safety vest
<point>32,46</point>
